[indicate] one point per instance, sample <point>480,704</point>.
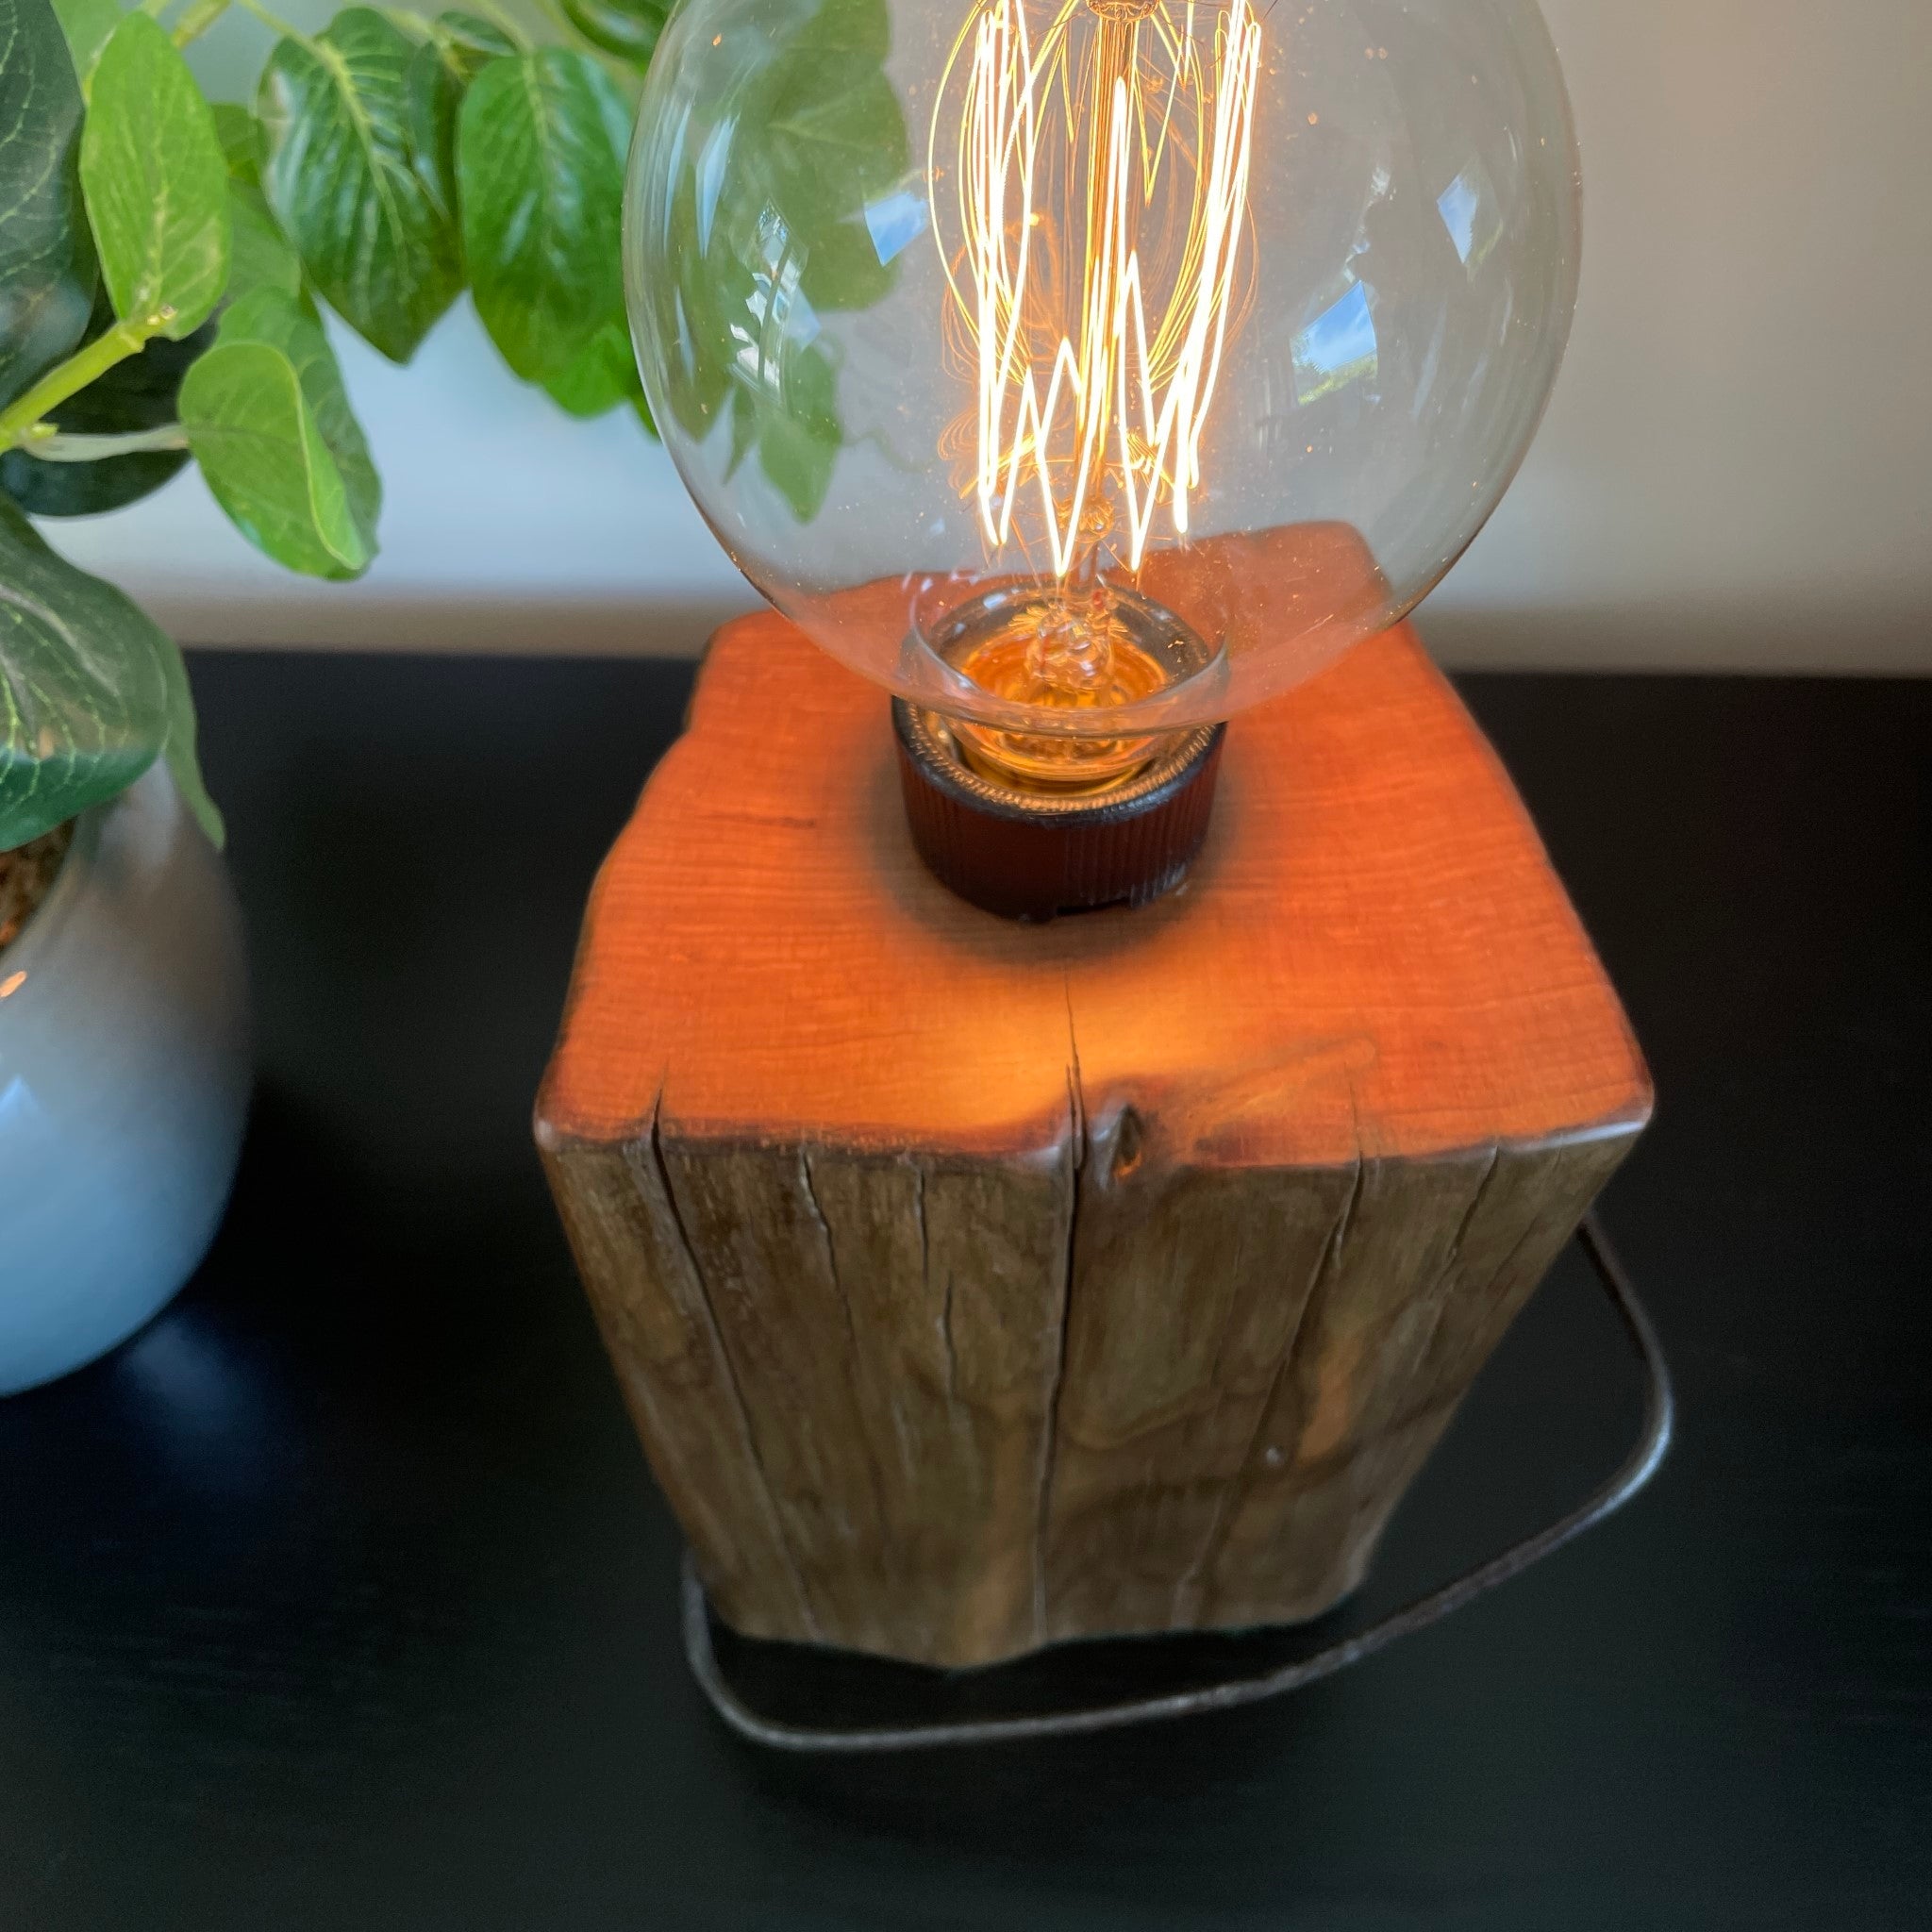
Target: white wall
<point>1736,470</point>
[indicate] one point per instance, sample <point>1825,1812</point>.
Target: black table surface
<point>341,1596</point>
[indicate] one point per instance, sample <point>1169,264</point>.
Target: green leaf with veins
<point>261,256</point>
<point>270,423</point>
<point>86,24</point>
<point>798,149</point>
<point>156,181</point>
<point>604,376</point>
<point>628,28</point>
<point>341,171</point>
<point>46,259</point>
<point>239,134</point>
<point>540,167</point>
<point>179,748</point>
<point>459,48</point>
<point>136,394</point>
<point>84,696</point>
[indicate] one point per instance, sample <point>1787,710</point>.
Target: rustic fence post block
<point>974,1286</point>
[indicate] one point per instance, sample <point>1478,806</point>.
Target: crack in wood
<point>1075,1168</point>
<point>1476,1202</point>
<point>948,1348</point>
<point>1509,1264</point>
<point>653,1146</point>
<point>1326,1272</point>
<point>1430,1303</point>
<point>1181,1604</point>
<point>888,1542</point>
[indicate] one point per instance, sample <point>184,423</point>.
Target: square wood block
<point>974,1286</point>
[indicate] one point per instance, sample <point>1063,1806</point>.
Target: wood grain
<point>973,1285</point>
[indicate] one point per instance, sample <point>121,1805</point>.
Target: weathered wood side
<point>656,1323</point>
<point>1432,1265</point>
<point>904,1425</point>
<point>891,1418</point>
<point>1189,1287</point>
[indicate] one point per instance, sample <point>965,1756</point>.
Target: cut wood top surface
<point>1372,956</point>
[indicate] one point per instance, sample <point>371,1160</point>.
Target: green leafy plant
<point>165,261</point>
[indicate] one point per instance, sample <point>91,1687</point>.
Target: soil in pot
<point>26,873</point>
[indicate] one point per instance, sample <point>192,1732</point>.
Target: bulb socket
<point>1036,855</point>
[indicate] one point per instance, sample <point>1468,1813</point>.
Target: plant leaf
<point>293,327</point>
<point>799,433</point>
<point>261,256</point>
<point>239,134</point>
<point>86,24</point>
<point>540,165</point>
<point>467,45</point>
<point>136,395</point>
<point>178,749</point>
<point>851,26</point>
<point>459,48</point>
<point>628,28</point>
<point>270,423</point>
<point>604,376</point>
<point>156,182</point>
<point>341,173</point>
<point>47,259</point>
<point>800,146</point>
<point>83,689</point>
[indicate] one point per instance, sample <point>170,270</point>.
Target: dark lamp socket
<point>1034,856</point>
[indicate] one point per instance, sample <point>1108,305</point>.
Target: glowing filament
<point>1100,183</point>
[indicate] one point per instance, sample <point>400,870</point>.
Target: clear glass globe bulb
<point>1087,368</point>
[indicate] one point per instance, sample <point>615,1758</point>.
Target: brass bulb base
<point>1034,855</point>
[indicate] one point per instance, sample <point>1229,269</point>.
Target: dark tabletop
<point>341,1596</point>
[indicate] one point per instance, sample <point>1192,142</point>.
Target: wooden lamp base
<point>974,1286</point>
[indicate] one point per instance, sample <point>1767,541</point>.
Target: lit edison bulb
<point>1089,370</point>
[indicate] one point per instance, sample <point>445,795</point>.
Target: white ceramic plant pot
<point>123,1083</point>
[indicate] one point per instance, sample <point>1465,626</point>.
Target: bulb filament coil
<point>1095,181</point>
